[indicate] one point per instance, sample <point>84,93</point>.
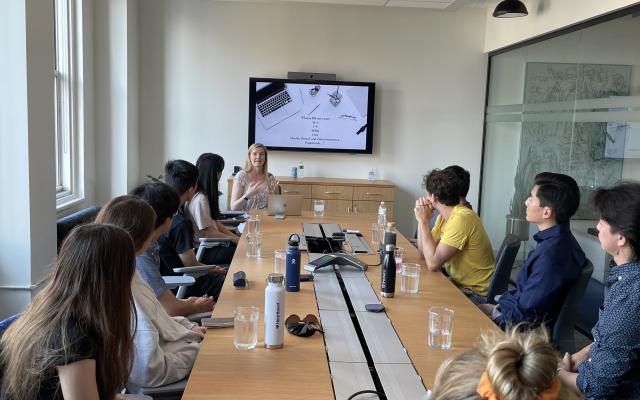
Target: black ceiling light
<point>510,9</point>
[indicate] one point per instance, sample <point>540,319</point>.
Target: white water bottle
<point>274,312</point>
<point>300,170</point>
<point>382,215</point>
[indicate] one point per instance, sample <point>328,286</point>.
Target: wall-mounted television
<point>311,115</point>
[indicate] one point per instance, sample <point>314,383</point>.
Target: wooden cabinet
<point>340,195</point>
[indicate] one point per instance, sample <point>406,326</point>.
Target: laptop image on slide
<point>284,204</point>
<point>274,104</point>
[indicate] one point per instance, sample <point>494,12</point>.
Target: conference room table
<point>301,368</point>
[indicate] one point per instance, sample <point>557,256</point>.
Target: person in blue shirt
<point>609,368</point>
<point>554,266</point>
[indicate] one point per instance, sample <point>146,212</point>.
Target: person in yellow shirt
<point>458,242</point>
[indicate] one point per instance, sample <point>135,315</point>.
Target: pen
<point>314,108</point>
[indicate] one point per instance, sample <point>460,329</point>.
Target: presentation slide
<point>311,115</point>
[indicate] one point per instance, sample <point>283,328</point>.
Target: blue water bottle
<point>293,264</point>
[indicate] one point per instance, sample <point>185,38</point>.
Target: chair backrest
<point>562,334</point>
<point>504,262</point>
<point>4,324</point>
<point>66,224</point>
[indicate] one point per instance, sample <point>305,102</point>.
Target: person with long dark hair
<point>75,341</point>
<point>609,368</point>
<point>204,209</point>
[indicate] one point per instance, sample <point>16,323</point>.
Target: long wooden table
<point>301,368</point>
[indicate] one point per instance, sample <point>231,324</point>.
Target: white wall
<point>545,16</point>
<point>27,158</point>
<point>116,97</point>
<point>196,57</point>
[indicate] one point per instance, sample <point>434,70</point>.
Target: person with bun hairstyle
<point>505,366</point>
<point>609,368</point>
<point>75,341</point>
<point>253,185</point>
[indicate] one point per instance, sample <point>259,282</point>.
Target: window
<point>67,118</point>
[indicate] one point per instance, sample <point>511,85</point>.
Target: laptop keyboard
<point>274,103</point>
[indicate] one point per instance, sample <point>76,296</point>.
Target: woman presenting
<point>253,185</point>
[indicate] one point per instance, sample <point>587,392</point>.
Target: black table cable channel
<point>354,319</point>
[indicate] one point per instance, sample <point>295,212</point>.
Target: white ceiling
<point>434,4</point>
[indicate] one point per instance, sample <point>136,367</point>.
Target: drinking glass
<point>280,261</point>
<point>254,244</point>
<point>318,208</point>
<point>440,327</point>
<point>410,278</point>
<point>245,327</point>
<point>398,256</point>
<point>252,225</point>
<point>376,235</point>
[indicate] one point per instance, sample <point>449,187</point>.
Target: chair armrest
<point>180,280</point>
<point>193,270</point>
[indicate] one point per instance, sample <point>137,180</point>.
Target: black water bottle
<point>388,280</point>
<point>388,237</point>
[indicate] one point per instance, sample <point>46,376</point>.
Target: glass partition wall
<point>569,104</point>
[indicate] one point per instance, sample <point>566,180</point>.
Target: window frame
<point>67,103</point>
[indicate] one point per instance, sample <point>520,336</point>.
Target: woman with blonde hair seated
<point>505,366</point>
<point>253,185</point>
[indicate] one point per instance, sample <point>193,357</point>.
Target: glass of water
<point>376,234</point>
<point>399,252</point>
<point>318,208</point>
<point>252,225</point>
<point>440,327</point>
<point>280,261</point>
<point>254,244</point>
<point>410,278</point>
<point>245,327</point>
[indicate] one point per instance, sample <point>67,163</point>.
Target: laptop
<point>275,103</point>
<point>285,204</point>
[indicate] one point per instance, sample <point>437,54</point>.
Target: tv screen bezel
<point>370,110</point>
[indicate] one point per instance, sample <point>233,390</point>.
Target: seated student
<point>458,241</point>
<point>74,341</point>
<point>165,202</point>
<point>177,245</point>
<point>555,265</point>
<point>203,209</point>
<point>609,368</point>
<point>505,366</point>
<point>464,177</point>
<point>165,347</point>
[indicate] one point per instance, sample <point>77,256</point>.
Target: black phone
<point>306,277</point>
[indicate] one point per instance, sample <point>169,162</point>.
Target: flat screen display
<point>305,115</point>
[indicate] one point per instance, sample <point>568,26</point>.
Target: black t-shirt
<point>82,346</point>
<point>177,240</point>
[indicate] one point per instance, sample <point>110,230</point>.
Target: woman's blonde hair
<point>247,164</point>
<point>90,289</point>
<point>520,365</point>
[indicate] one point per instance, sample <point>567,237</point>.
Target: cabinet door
<point>371,207</point>
<point>373,193</point>
<point>336,206</point>
<point>288,188</point>
<point>332,192</point>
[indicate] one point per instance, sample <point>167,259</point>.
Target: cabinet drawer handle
<point>290,191</point>
<point>331,192</point>
<point>373,194</point>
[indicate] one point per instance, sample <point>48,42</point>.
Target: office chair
<point>66,224</point>
<point>504,263</point>
<point>562,333</point>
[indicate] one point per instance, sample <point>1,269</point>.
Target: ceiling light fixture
<point>510,9</point>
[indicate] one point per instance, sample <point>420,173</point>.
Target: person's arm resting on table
<point>192,305</point>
